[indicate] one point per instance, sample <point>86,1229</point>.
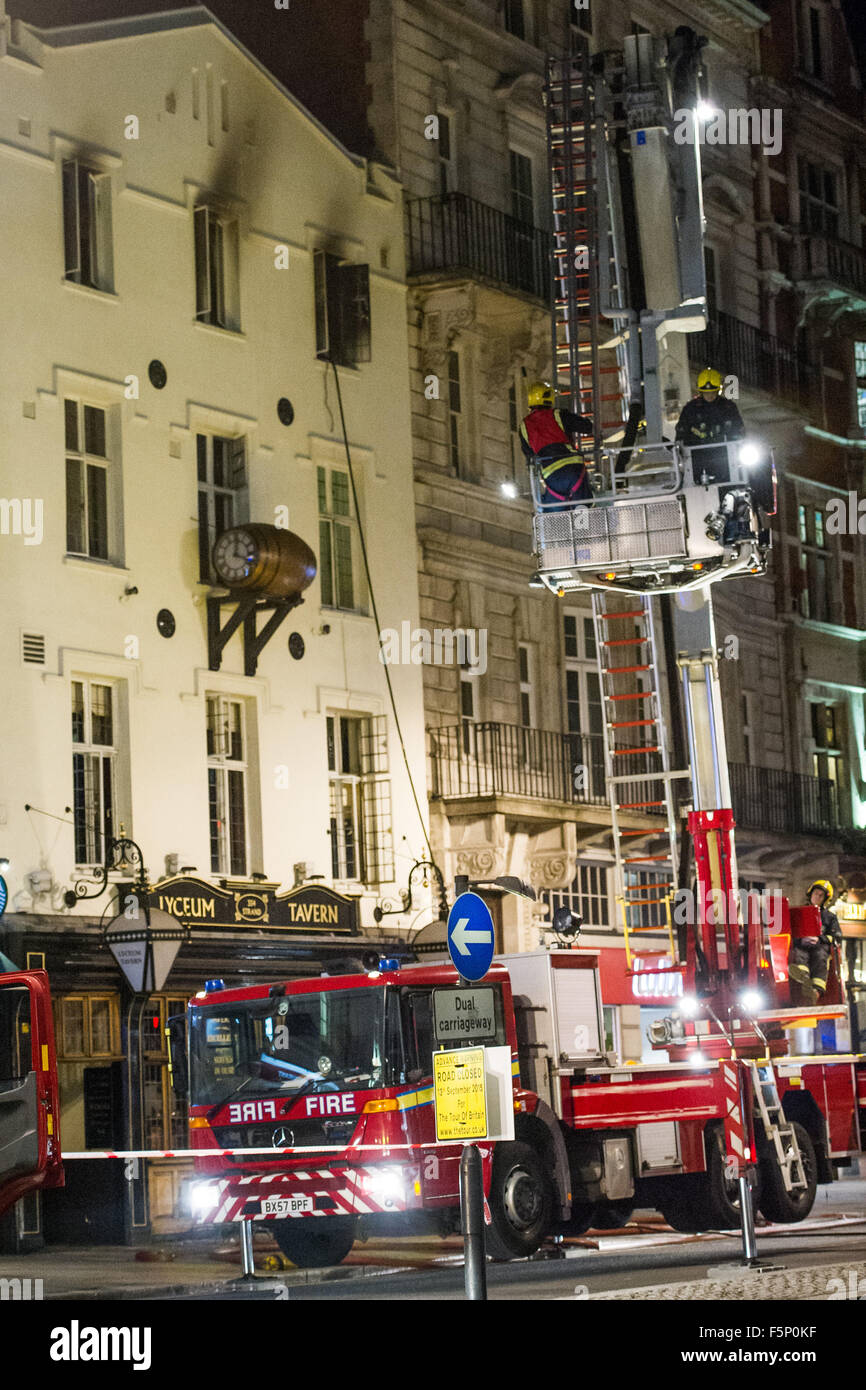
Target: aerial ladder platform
<point>628,287</point>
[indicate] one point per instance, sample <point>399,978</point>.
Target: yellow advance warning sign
<point>460,1100</point>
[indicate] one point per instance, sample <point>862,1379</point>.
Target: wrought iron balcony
<point>490,759</point>
<point>783,802</point>
<point>454,235</point>
<point>759,359</point>
<point>823,258</point>
<point>471,760</point>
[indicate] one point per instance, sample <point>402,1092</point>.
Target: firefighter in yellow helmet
<point>810,952</point>
<point>709,417</point>
<point>548,439</point>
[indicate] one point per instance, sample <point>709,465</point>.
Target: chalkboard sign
<point>102,1107</point>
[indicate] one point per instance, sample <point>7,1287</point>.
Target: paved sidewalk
<point>824,1283</point>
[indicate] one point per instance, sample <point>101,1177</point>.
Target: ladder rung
<point>624,753</point>
<point>615,670</point>
<point>632,805</point>
<point>625,642</point>
<point>647,887</point>
<point>637,695</point>
<point>657,927</point>
<point>643,902</point>
<point>629,723</point>
<point>646,858</point>
<point>632,612</point>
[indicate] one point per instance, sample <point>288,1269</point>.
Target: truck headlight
<point>386,1184</point>
<point>750,454</point>
<point>203,1196</point>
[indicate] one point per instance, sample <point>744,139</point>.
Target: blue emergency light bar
<point>389,963</point>
<point>211,986</point>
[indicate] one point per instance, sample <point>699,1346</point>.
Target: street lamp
<point>507,882</point>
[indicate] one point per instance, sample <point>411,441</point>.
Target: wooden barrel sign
<point>264,559</point>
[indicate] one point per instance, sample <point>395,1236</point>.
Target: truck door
<point>29,1107</point>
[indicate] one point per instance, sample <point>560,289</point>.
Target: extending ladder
<point>778,1129</point>
<point>637,766</point>
<point>589,372</point>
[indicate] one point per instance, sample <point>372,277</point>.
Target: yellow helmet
<point>710,380</point>
<point>826,885</point>
<point>540,393</point>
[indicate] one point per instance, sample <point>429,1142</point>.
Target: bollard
<point>472,1221</point>
<point>747,1221</point>
<point>248,1264</point>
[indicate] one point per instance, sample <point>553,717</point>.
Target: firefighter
<point>810,953</point>
<point>709,417</point>
<point>547,440</point>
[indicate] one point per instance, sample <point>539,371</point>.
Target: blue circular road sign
<point>470,936</point>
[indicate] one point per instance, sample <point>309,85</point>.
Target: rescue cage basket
<point>647,524</point>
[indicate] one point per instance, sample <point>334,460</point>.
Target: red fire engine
<point>29,1105</point>
<point>338,1071</point>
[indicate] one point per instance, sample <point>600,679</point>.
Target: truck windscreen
<point>301,1043</point>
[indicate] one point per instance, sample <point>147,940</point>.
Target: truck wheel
<point>705,1201</point>
<point>777,1204</point>
<point>315,1242</point>
<point>520,1202</point>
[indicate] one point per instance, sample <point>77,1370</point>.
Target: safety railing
<point>493,759</point>
<point>754,357</point>
<point>456,234</point>
<point>784,802</point>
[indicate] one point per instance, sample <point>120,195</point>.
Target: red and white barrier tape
<point>386,1150</point>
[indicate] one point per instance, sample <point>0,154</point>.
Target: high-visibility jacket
<point>549,432</point>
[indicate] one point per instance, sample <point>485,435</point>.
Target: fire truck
<point>29,1103</point>
<point>311,1102</point>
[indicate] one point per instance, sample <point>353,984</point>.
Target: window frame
<point>223,771</point>
<point>589,894</point>
<point>521,166</point>
<point>334,547</point>
<point>87,236</point>
<point>814,555</point>
<point>216,251</point>
<point>447,162</point>
<point>359,782</point>
<point>524,27</point>
<point>816,212</point>
<point>209,492</point>
<point>108,757</point>
<point>814,42</point>
<point>860,382</point>
<point>89,466</point>
<point>344,334</point>
<point>87,998</point>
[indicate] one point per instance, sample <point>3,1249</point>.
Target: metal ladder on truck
<point>590,373</point>
<point>637,768</point>
<point>777,1127</point>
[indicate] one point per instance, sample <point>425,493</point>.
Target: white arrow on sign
<point>463,939</point>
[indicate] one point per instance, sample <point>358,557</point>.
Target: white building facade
<point>179,260</point>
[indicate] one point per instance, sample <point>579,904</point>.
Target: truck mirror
<point>177,1062</point>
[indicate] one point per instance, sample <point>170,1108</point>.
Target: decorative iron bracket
<point>246,607</point>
